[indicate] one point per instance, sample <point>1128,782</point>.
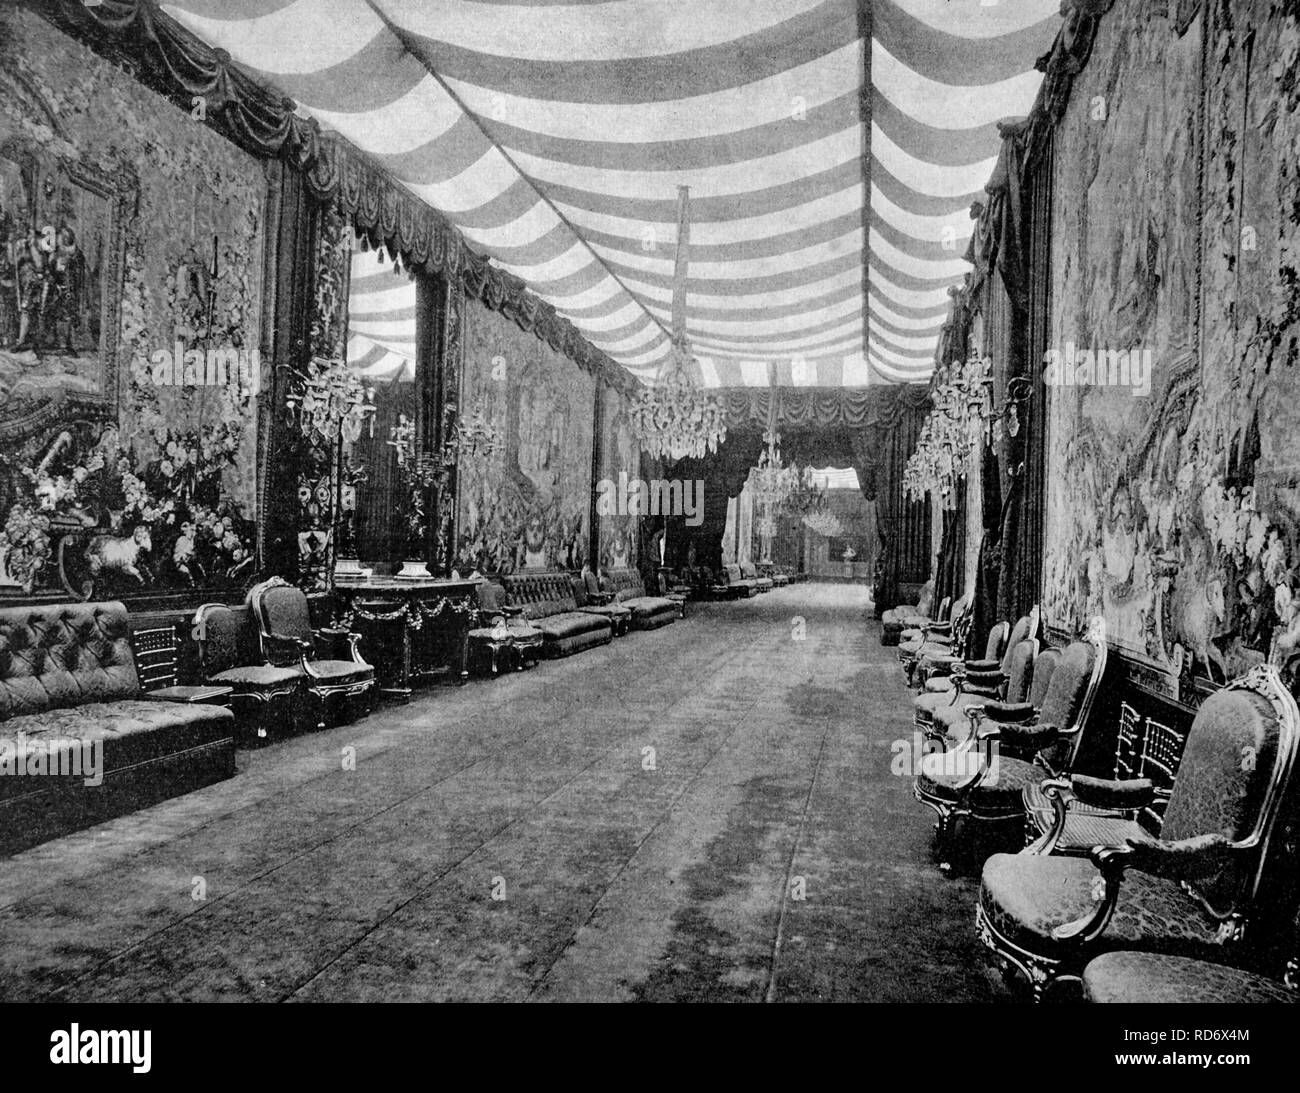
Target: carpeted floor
<point>517,839</point>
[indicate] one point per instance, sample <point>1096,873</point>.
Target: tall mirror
<point>388,472</point>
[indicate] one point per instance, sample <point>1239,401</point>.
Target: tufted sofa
<point>648,612</point>
<point>67,673</point>
<point>548,603</point>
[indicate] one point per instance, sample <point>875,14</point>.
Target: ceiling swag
<point>172,60</point>
<point>136,35</point>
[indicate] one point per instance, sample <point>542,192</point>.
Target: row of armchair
<point>276,663</point>
<point>1133,890</point>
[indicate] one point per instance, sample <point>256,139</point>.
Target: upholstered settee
<point>734,583</point>
<point>69,691</point>
<point>648,612</point>
<point>548,603</point>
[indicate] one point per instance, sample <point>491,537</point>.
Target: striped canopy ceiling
<point>555,136</point>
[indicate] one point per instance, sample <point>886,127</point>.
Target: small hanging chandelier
<point>675,418</point>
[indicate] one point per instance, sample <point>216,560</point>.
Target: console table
<point>410,630</point>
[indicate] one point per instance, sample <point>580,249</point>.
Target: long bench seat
<point>648,612</point>
<point>549,604</point>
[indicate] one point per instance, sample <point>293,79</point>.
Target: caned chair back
<point>1236,765</point>
<point>155,656</point>
<point>1128,743</point>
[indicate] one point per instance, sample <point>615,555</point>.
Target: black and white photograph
<point>672,501</point>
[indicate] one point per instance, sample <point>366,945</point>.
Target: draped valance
<point>825,407</point>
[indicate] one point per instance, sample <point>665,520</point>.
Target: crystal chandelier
<point>674,418</point>
<point>825,523</point>
<point>771,480</point>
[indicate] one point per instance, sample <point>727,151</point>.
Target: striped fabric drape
<point>820,138</point>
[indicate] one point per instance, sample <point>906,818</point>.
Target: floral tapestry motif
<point>152,489</point>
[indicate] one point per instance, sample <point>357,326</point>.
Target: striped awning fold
<point>555,135</point>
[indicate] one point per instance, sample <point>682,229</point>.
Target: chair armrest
<point>287,639</point>
<point>984,666</point>
<point>1020,738</point>
<point>1119,797</point>
<point>1193,858</point>
<point>600,599</point>
<point>1009,713</point>
<point>302,646</point>
<point>1125,794</point>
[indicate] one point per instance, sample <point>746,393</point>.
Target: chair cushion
<point>645,606</point>
<point>570,624</point>
<point>1026,896</point>
<point>1001,793</point>
<point>610,610</point>
<point>1127,976</point>
<point>255,675</point>
<point>933,701</point>
<point>341,670</point>
<point>952,717</point>
<point>132,731</point>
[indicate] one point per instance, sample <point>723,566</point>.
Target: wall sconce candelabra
<point>473,436</point>
<point>329,401</point>
<point>964,418</point>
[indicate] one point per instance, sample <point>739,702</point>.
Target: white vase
<point>349,568</point>
<point>412,570</point>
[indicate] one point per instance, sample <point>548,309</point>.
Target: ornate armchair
<point>288,640</point>
<point>229,657</point>
<point>895,620</point>
<point>938,672</point>
<point>1192,892</point>
<point>941,715</point>
<point>961,683</point>
<point>933,640</point>
<point>982,781</point>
